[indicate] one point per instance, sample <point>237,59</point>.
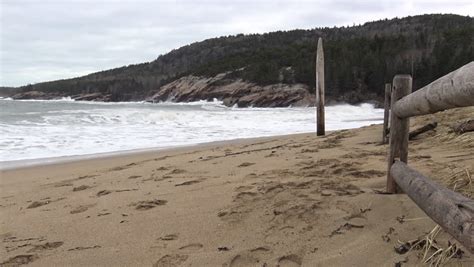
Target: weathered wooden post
<point>388,91</point>
<point>399,128</point>
<point>320,129</point>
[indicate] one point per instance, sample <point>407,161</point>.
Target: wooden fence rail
<point>452,211</point>
<point>453,90</point>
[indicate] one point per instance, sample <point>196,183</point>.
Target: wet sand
<point>296,200</point>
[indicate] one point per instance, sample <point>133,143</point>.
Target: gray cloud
<point>53,39</point>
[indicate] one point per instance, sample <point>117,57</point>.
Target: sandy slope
<point>288,201</point>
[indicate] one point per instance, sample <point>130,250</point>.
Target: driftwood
<point>467,126</point>
<point>456,89</point>
<point>452,211</point>
<point>320,128</point>
<point>399,127</point>
<point>427,127</point>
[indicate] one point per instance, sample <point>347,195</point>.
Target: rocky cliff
<point>233,92</point>
<point>192,88</point>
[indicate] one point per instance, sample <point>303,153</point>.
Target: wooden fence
<point>452,211</point>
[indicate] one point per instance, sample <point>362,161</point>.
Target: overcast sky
<point>45,40</point>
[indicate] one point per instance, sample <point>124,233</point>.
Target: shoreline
<point>37,162</point>
<point>107,131</point>
<point>26,163</point>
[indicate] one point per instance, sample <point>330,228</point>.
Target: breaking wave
<point>40,129</point>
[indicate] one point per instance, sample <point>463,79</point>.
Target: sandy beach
<point>296,200</point>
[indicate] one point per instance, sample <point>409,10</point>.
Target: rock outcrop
<point>233,92</point>
<point>52,96</point>
<point>92,97</point>
<point>34,95</point>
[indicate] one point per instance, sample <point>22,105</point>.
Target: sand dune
<point>296,200</point>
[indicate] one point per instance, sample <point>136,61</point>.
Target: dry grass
<point>432,253</point>
<point>446,120</point>
<point>460,181</point>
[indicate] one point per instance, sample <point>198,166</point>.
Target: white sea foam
<point>62,99</point>
<point>42,129</point>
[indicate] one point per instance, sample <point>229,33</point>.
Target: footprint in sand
<point>37,204</point>
<point>46,246</point>
<point>289,261</point>
<point>164,177</point>
<point>244,260</point>
<point>344,228</point>
<point>309,150</point>
<point>103,193</point>
<point>246,164</point>
<point>272,154</point>
<point>251,175</point>
<point>260,252</point>
<point>119,168</point>
<point>326,193</point>
<point>80,188</point>
<point>83,248</point>
<point>85,177</point>
<point>126,190</point>
<point>192,247</point>
<point>148,204</point>
<point>366,174</point>
<point>169,237</point>
<point>245,196</point>
<point>61,184</point>
<point>80,209</point>
<point>19,260</point>
<point>171,260</point>
<point>243,188</point>
<point>188,183</point>
<point>340,188</point>
<point>177,171</point>
<point>254,257</point>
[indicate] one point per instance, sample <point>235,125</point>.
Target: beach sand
<point>278,201</point>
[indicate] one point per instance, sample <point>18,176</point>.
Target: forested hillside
<point>359,59</point>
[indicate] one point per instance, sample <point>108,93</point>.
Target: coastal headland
<point>277,69</point>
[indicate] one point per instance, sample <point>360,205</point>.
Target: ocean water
<point>43,129</point>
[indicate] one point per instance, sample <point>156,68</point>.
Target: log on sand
<point>427,127</point>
